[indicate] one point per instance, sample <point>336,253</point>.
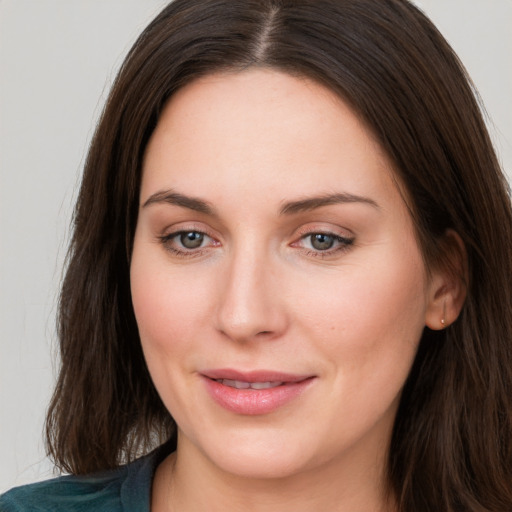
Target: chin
<point>261,466</point>
<point>258,457</point>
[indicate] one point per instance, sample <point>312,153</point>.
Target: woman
<point>290,269</point>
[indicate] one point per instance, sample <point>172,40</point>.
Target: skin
<point>259,293</point>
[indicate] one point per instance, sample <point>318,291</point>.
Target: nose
<point>251,303</point>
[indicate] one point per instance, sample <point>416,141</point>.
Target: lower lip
<point>252,402</point>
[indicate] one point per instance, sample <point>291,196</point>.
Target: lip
<point>252,402</point>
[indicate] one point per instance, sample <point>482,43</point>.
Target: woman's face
<point>277,283</point>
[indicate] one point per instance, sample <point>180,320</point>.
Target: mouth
<point>256,392</point>
<point>239,384</point>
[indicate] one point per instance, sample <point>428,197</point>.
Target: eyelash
<point>342,244</point>
<point>166,241</point>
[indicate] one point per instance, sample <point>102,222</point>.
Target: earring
<point>443,321</point>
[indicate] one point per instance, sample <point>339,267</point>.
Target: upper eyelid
<point>184,227</point>
<point>313,228</point>
<point>339,238</point>
<point>303,231</point>
<point>325,232</point>
<point>173,234</point>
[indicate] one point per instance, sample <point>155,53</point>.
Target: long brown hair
<point>451,448</point>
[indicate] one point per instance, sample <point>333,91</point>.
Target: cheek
<point>370,318</point>
<point>166,315</point>
<point>156,302</point>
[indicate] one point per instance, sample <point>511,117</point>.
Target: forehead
<point>262,130</point>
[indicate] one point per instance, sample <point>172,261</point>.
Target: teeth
<point>264,385</point>
<point>235,384</point>
<point>238,384</point>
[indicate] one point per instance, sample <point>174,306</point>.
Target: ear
<point>448,283</point>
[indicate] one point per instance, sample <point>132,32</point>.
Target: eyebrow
<point>171,197</point>
<point>312,203</point>
<point>289,208</point>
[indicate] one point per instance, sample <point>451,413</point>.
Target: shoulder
<point>68,493</point>
<point>125,489</point>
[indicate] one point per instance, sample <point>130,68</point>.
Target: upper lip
<point>253,375</point>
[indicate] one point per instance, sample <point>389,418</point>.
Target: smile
<point>254,393</point>
<point>238,384</point>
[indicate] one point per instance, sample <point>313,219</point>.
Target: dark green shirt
<point>126,489</point>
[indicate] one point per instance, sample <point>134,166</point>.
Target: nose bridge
<point>249,302</point>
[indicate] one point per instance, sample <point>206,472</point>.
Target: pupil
<point>191,240</point>
<point>321,241</point>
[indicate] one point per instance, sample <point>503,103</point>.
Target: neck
<point>188,481</point>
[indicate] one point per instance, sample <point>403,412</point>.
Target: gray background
<point>57,61</point>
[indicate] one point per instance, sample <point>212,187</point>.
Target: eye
<point>323,244</point>
<point>187,242</point>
